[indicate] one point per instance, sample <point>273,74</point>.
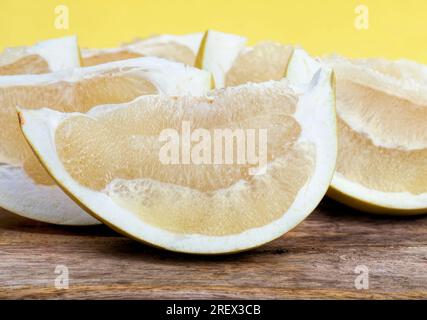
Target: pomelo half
<point>109,160</point>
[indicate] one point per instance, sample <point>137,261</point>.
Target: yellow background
<point>397,28</point>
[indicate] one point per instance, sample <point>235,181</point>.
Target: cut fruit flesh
<point>263,62</point>
<point>118,177</point>
<point>382,135</point>
<point>74,90</point>
<point>44,57</point>
<point>231,63</point>
<point>180,48</point>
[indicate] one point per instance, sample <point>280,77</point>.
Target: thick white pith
<point>43,203</point>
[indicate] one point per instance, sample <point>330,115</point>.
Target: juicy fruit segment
<point>113,87</point>
<point>375,112</point>
<point>104,57</point>
<point>172,47</point>
<point>44,57</point>
<point>379,168</point>
<point>382,131</point>
<point>32,64</point>
<point>169,50</point>
<point>119,156</point>
<point>263,62</point>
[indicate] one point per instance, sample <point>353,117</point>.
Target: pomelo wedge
<point>382,135</point>
<point>232,63</point>
<point>109,161</point>
<point>44,57</point>
<point>25,187</point>
<point>180,48</point>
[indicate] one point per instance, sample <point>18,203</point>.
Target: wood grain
<point>315,260</point>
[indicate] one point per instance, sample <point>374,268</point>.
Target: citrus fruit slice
<point>232,63</point>
<point>382,135</point>
<point>44,57</point>
<point>180,48</point>
<point>25,187</point>
<point>180,173</point>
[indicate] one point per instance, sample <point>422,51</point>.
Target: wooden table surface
<point>315,260</point>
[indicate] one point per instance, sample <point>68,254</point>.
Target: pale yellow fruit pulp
<point>172,47</point>
<point>114,86</point>
<point>118,154</point>
<point>32,64</point>
<point>263,62</point>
